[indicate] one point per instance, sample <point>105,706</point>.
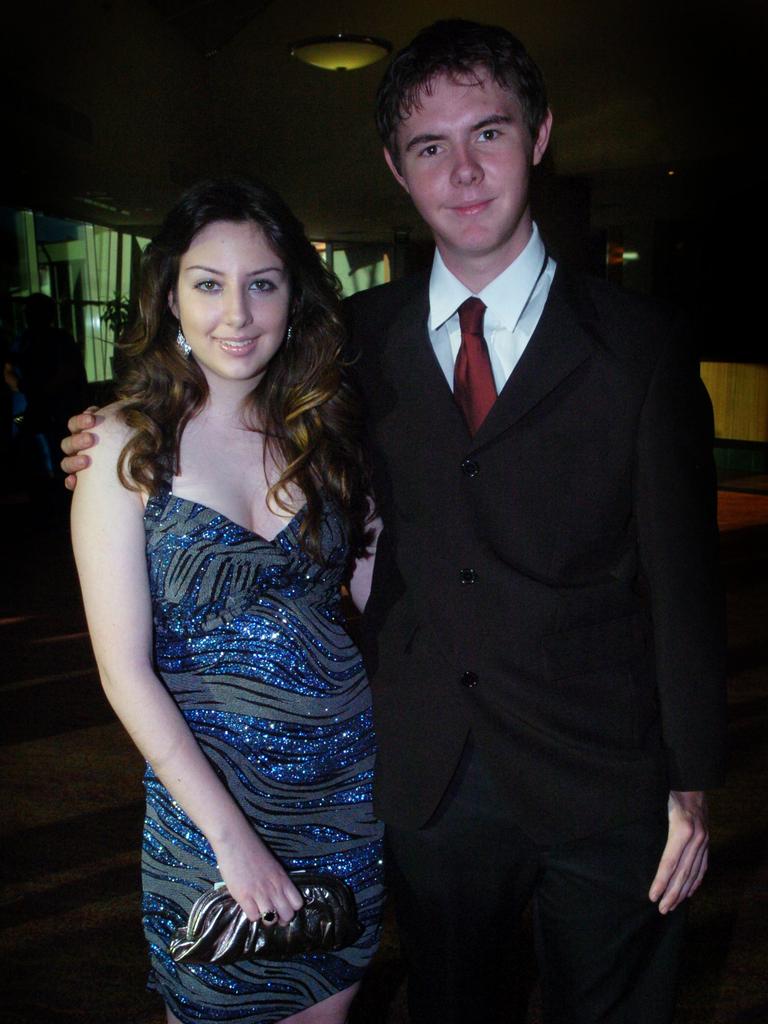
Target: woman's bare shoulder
<point>111,428</point>
<point>111,434</point>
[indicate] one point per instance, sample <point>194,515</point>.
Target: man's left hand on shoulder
<point>684,860</point>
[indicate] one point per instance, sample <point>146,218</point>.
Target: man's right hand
<point>78,441</point>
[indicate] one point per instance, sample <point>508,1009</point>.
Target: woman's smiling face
<point>232,299</point>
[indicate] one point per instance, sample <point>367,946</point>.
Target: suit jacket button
<point>467,576</point>
<point>470,468</point>
<point>470,680</point>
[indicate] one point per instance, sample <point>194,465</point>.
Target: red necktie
<point>473,385</point>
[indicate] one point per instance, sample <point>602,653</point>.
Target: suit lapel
<point>410,361</point>
<point>562,340</point>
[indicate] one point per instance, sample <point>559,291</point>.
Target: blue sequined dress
<point>250,639</point>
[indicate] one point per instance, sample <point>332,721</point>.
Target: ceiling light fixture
<point>342,52</point>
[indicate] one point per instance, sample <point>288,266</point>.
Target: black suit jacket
<point>551,585</point>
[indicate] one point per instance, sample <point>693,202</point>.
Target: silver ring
<point>269,917</point>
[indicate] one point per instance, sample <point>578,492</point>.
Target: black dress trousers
<point>462,882</point>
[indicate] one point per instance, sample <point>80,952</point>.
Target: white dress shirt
<point>514,303</point>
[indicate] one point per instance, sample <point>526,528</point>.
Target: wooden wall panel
<point>739,393</point>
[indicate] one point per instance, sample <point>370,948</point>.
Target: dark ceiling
<point>116,105</point>
<point>209,24</point>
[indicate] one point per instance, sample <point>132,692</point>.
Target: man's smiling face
<point>464,157</point>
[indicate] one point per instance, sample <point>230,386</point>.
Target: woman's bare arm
<point>108,539</point>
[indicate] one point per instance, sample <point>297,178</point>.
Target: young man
<point>544,633</point>
<point>545,624</point>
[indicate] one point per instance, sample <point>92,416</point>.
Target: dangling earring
<point>182,342</point>
<point>289,333</point>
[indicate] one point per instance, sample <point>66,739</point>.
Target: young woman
<point>225,505</point>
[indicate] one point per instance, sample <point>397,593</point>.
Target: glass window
<point>357,265</point>
<point>86,268</point>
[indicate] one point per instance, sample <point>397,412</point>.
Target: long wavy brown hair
<point>304,404</point>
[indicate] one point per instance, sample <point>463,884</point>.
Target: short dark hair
<point>457,48</point>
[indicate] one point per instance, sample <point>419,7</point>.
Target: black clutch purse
<point>218,932</point>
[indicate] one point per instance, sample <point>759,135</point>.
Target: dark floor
<point>71,948</point>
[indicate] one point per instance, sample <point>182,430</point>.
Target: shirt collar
<point>504,297</point>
